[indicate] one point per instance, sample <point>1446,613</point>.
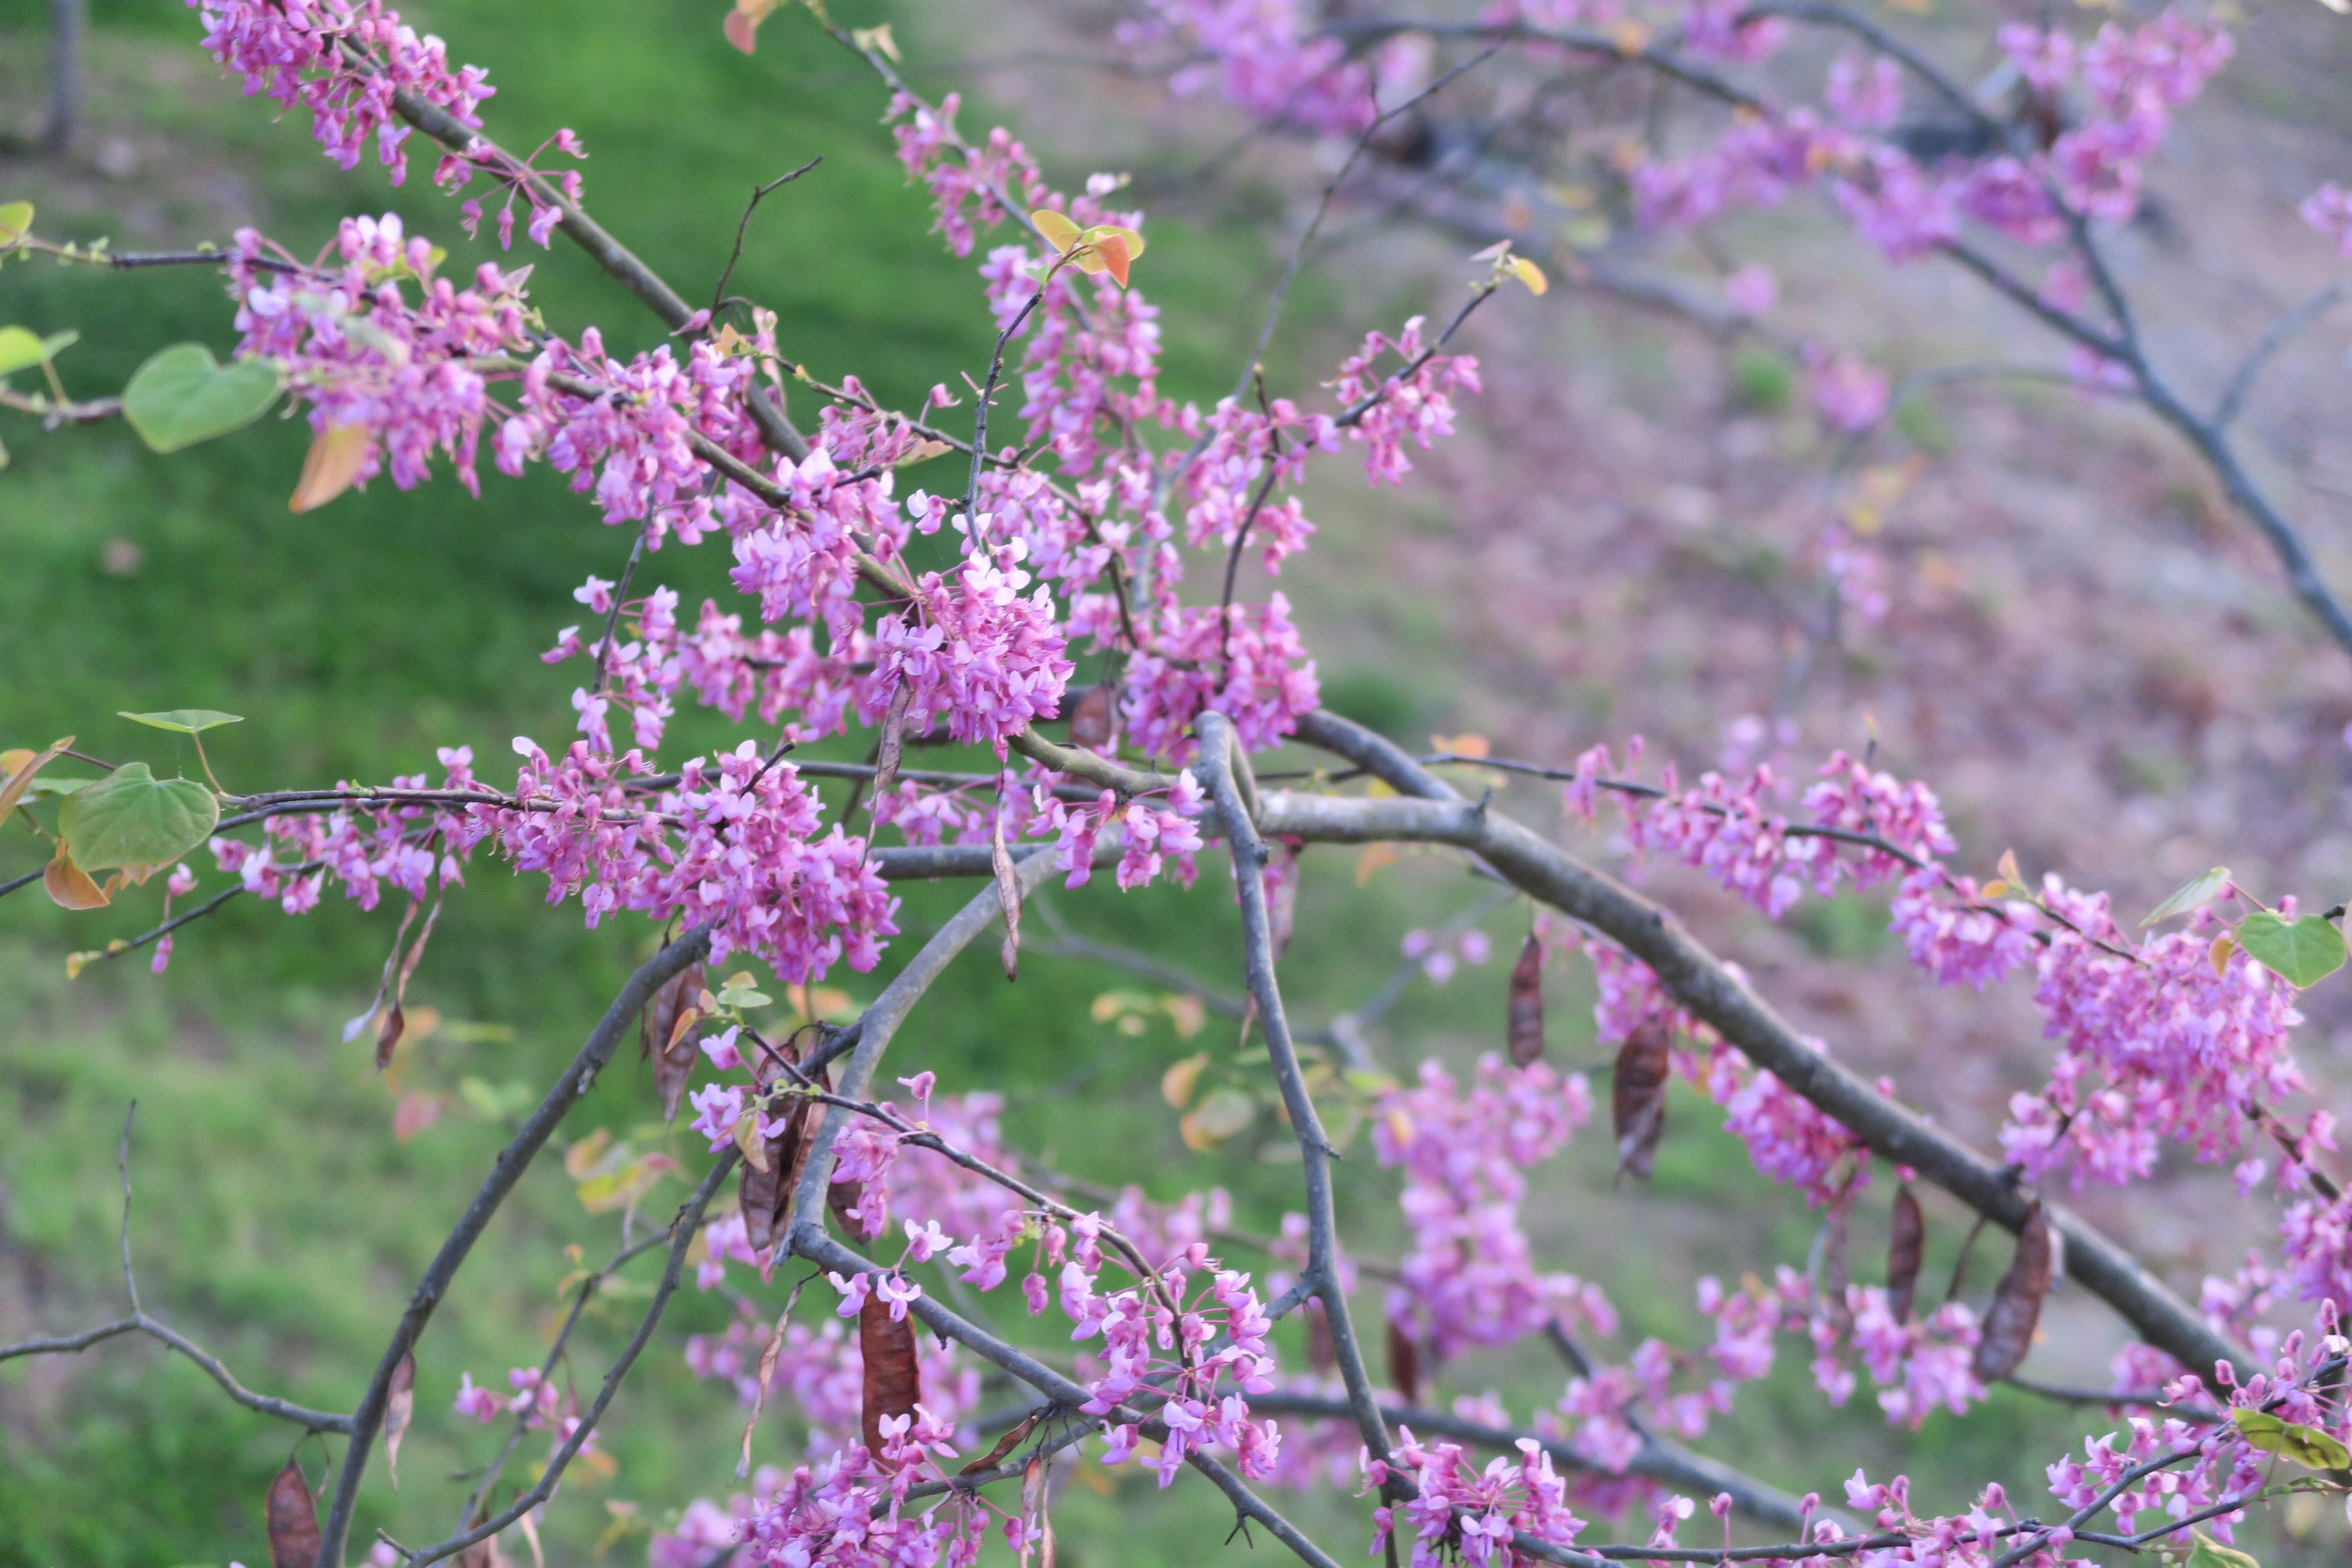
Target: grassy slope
<point>277,1216</point>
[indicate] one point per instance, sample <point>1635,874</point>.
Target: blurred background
<point>2083,650</point>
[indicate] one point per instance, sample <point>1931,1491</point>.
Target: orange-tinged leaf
<point>1370,863</point>
<point>743,22</point>
<point>1112,254</point>
<point>336,456</point>
<point>293,1520</point>
<point>71,887</point>
<point>21,767</point>
<point>2219,955</point>
<point>415,1112</point>
<point>1176,1084</point>
<point>893,1383</point>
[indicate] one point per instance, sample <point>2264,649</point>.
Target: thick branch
<point>879,1022</point>
<point>618,1023</point>
<point>1221,764</point>
<point>1700,983</point>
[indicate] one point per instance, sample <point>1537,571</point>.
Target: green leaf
<point>132,821</point>
<point>2307,1446</point>
<point>16,222</point>
<point>2212,1553</point>
<point>58,786</point>
<point>185,721</point>
<point>2192,895</point>
<point>183,396</point>
<point>2303,952</point>
<point>21,348</point>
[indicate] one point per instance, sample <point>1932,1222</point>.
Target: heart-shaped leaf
<point>2307,1446</point>
<point>16,222</point>
<point>2301,952</point>
<point>2190,895</point>
<point>135,821</point>
<point>21,348</point>
<point>185,721</point>
<point>183,396</point>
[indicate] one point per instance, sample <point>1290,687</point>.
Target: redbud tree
<point>942,574</point>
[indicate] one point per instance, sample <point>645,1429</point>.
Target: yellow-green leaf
<point>185,721</point>
<point>21,348</point>
<point>135,822</point>
<point>183,396</point>
<point>2307,1446</point>
<point>2193,894</point>
<point>16,222</point>
<point>2210,1553</point>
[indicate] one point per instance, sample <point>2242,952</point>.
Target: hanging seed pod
<point>1637,1099</point>
<point>1525,1035</point>
<point>893,1383</point>
<point>2016,1310</point>
<point>1906,1246</point>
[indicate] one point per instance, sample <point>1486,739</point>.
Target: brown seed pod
<point>1637,1098</point>
<point>1906,1245</point>
<point>893,1382</point>
<point>2016,1310</point>
<point>1525,1032</point>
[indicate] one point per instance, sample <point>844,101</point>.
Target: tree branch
<point>618,1022</point>
<point>1433,813</point>
<point>1221,764</point>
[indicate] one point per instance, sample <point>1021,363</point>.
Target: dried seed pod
<point>1094,722</point>
<point>293,1520</point>
<point>1008,898</point>
<point>893,1382</point>
<point>1013,1439</point>
<point>1404,1364</point>
<point>1906,1245</point>
<point>399,1408</point>
<point>892,746</point>
<point>2016,1310</point>
<point>1637,1098</point>
<point>1525,1032</point>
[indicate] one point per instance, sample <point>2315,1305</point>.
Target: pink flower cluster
<point>1463,1513</point>
<point>1259,55</point>
<point>1413,403</point>
<point>362,356</point>
<point>1470,1276</point>
<point>344,61</point>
